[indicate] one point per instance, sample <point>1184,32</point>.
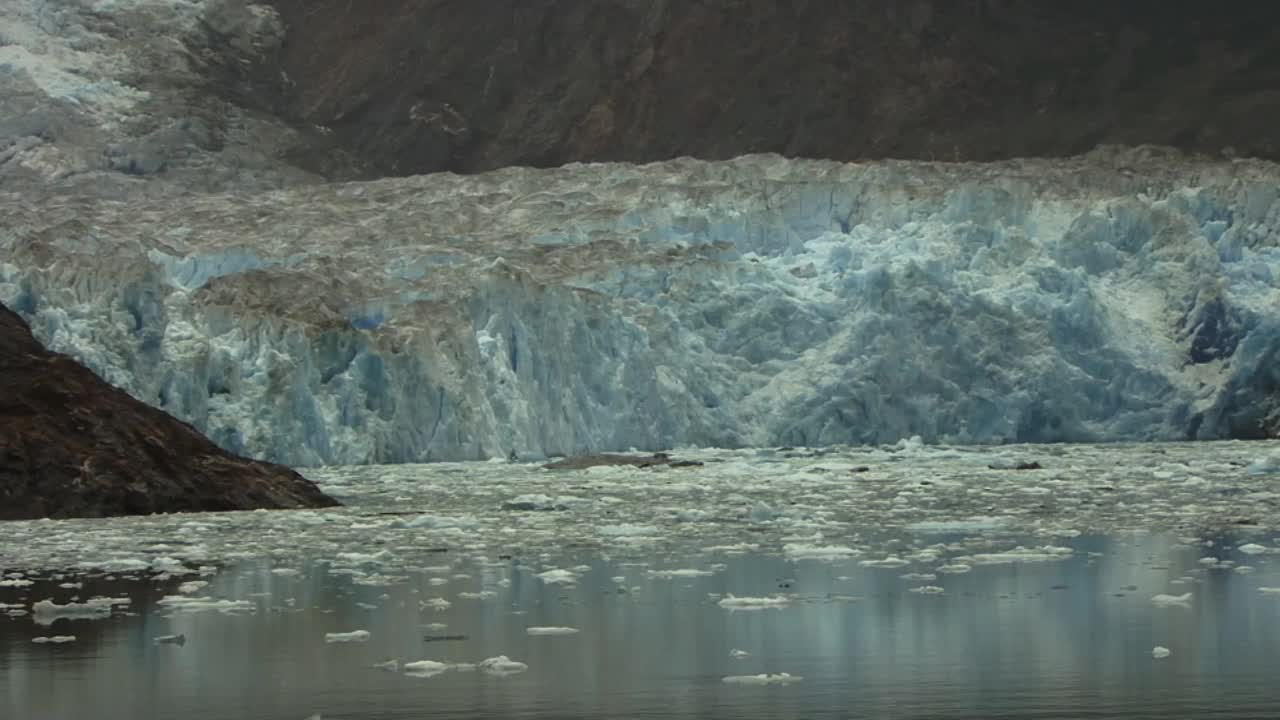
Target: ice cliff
<point>1123,295</point>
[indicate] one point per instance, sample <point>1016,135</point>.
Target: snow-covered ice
<point>501,665</point>
<point>355,636</point>
<point>1165,600</point>
<point>762,679</point>
<point>754,603</point>
<point>551,630</point>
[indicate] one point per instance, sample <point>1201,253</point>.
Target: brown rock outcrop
<point>72,445</point>
<point>401,87</point>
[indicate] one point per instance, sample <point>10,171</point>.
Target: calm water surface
<point>1065,638</point>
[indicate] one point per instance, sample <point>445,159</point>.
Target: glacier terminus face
<point>1121,295</point>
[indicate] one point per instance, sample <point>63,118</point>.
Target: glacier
<point>1127,294</point>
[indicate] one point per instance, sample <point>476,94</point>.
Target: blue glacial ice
<point>1129,294</point>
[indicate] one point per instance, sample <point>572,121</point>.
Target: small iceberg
<point>347,637</point>
<point>762,679</point>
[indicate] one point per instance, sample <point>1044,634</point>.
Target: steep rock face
<point>411,86</point>
<point>73,446</point>
<point>1121,295</point>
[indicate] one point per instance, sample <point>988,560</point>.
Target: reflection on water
<point>1066,638</point>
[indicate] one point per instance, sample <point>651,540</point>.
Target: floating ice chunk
<point>892,561</point>
<point>1163,600</point>
<point>189,587</point>
<point>557,577</point>
<point>436,603</point>
<point>762,679</point>
<point>754,603</point>
<point>551,631</point>
<point>919,576</point>
<point>927,590</point>
<point>690,515</point>
<point>1269,590</point>
<point>425,668</point>
<point>171,640</point>
<point>170,565</point>
<point>1253,549</point>
<point>440,522</point>
<point>286,572</point>
<point>184,604</point>
<point>761,513</point>
<point>801,551</point>
<point>957,526</point>
<point>482,595</point>
<point>955,568</point>
<point>391,665</point>
<point>1244,570</point>
<point>501,665</point>
<point>46,611</point>
<point>56,639</point>
<point>16,583</point>
<point>627,530</point>
<point>1048,553</point>
<point>348,637</point>
<point>115,565</point>
<point>739,654</point>
<point>1265,466</point>
<point>681,573</point>
<point>1159,652</point>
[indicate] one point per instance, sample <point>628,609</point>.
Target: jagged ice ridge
<point>1122,295</point>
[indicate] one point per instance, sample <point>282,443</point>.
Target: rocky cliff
<point>409,86</point>
<point>73,446</point>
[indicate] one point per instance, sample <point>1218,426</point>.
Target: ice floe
<point>551,630</point>
<point>762,679</point>
<point>355,636</point>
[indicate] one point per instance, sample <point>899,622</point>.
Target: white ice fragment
<point>436,603</point>
<point>627,530</point>
<point>557,577</point>
<point>184,604</point>
<point>501,665</point>
<point>957,568</point>
<point>1048,553</point>
<point>891,561</point>
<point>46,611</point>
<point>1163,600</point>
<point>1158,652</point>
<point>680,573</point>
<point>1253,549</point>
<point>754,603</point>
<point>551,631</point>
<point>482,595</point>
<point>57,639</point>
<point>187,588</point>
<point>801,551</point>
<point>1269,590</point>
<point>927,590</point>
<point>16,583</point>
<point>425,668</point>
<point>347,637</point>
<point>918,576</point>
<point>763,679</point>
<point>738,654</point>
<point>388,665</point>
<point>286,572</point>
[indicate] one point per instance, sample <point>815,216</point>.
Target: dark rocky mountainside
<point>73,446</point>
<point>410,86</point>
